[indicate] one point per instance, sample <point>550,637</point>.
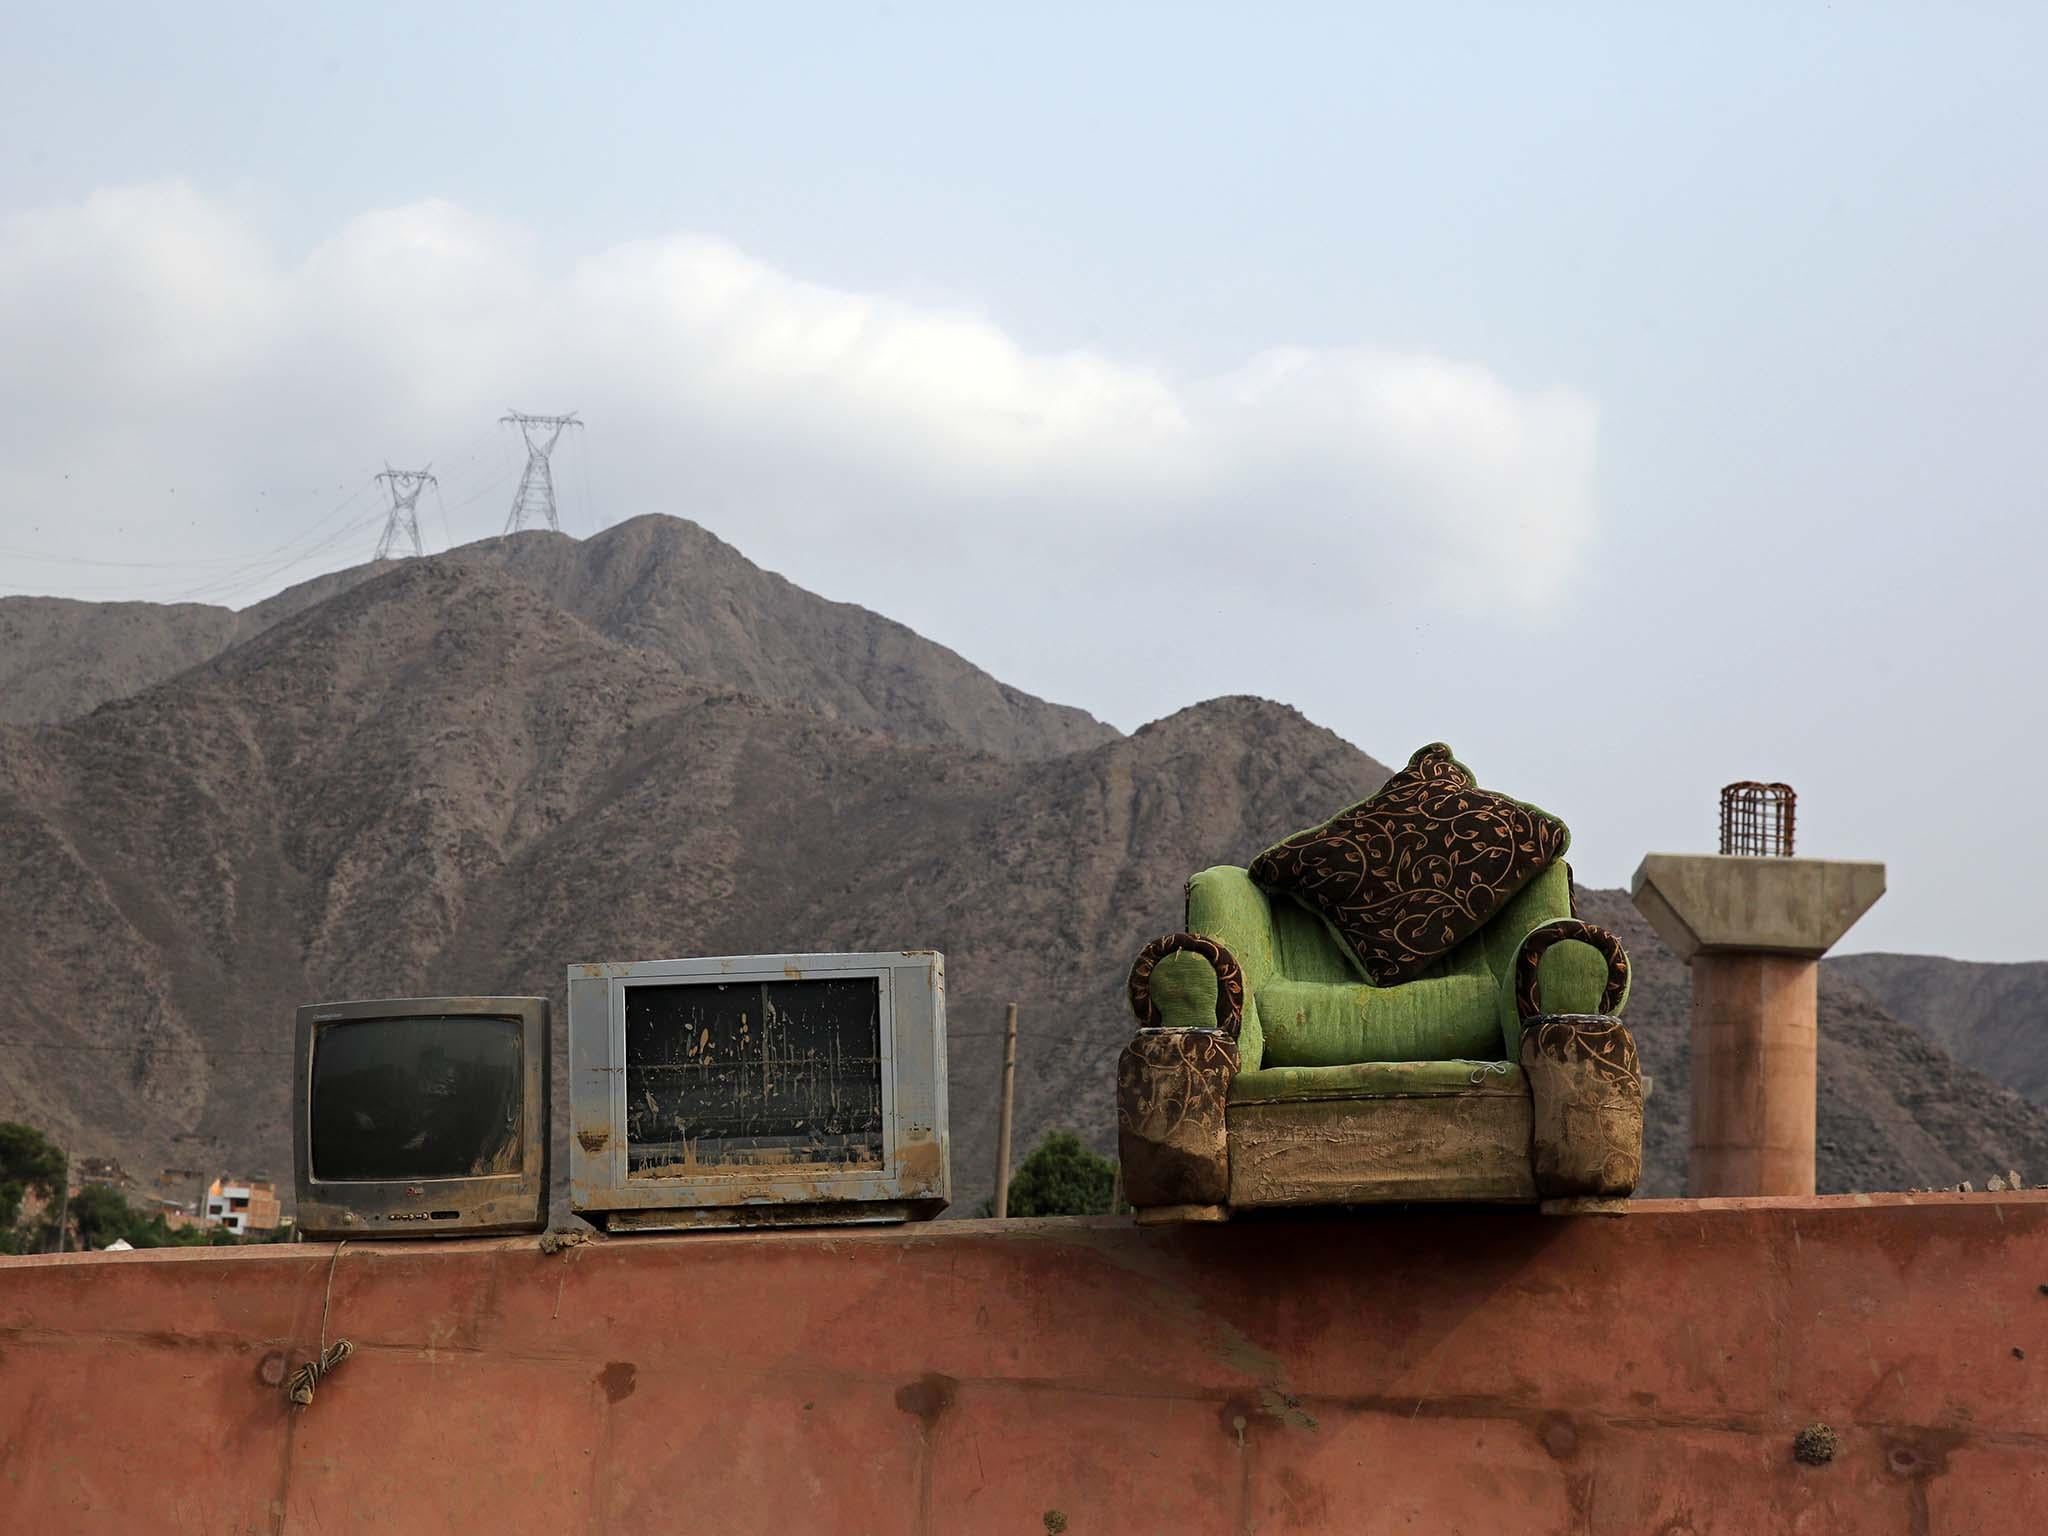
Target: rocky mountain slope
<point>1991,1017</point>
<point>434,776</point>
<point>60,658</point>
<point>657,582</point>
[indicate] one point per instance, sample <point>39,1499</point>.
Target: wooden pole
<point>64,1208</point>
<point>1002,1200</point>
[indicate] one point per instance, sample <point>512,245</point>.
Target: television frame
<point>383,1208</point>
<point>913,1179</point>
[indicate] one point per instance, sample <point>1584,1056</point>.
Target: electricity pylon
<point>405,486</point>
<point>534,501</point>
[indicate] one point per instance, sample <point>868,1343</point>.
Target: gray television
<point>421,1116</point>
<point>758,1090</point>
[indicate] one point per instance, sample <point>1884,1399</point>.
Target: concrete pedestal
<point>1753,930</point>
<point>1754,1062</point>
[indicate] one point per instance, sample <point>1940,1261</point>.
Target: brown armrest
<point>1229,979</point>
<point>1528,1004</point>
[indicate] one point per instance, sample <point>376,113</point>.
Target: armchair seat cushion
<point>1332,1024</point>
<point>1379,1080</point>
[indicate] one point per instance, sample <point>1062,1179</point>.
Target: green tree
<point>158,1233</point>
<point>101,1214</point>
<point>1062,1177</point>
<point>29,1160</point>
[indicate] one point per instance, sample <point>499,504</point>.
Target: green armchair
<point>1269,1072</point>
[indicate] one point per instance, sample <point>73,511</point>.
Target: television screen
<point>753,1073</point>
<point>424,1097</point>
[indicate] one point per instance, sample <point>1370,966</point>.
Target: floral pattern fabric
<point>1602,1045</point>
<point>1168,1077</point>
<point>1413,872</point>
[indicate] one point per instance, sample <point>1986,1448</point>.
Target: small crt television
<point>758,1090</point>
<point>422,1116</point>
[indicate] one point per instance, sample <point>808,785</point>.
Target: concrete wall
<point>1463,1370</point>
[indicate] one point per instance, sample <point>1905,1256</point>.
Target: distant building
<point>176,1214</point>
<point>101,1170</point>
<point>241,1205</point>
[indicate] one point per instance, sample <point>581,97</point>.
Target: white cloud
<point>159,347</point>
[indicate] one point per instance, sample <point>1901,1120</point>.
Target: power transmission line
<point>534,501</point>
<point>233,586</point>
<point>212,571</point>
<point>405,486</point>
<point>589,506</point>
<point>447,535</point>
<point>294,551</point>
<point>480,494</point>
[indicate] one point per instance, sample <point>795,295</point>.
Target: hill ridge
<point>664,583</point>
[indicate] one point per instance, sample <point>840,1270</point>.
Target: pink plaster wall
<point>1443,1371</point>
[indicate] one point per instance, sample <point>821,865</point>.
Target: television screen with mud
<point>758,1090</point>
<point>753,1074</point>
<point>422,1116</point>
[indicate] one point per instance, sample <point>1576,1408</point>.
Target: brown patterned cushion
<point>1417,869</point>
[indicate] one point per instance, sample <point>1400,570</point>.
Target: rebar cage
<point>1757,818</point>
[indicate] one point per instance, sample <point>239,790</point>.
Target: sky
<point>1638,398</point>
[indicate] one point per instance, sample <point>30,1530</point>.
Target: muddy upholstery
<point>1172,1086</point>
<point>1586,1089</point>
<point>1272,1065</point>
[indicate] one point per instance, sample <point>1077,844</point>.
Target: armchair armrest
<point>1173,1081</point>
<point>1585,1084</point>
<point>1522,981</point>
<point>1229,980</point>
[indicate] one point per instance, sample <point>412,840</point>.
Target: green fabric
<point>1184,991</point>
<point>1224,904</point>
<point>1543,900</point>
<point>1309,948</point>
<point>1571,977</point>
<point>1437,1018</point>
<point>1378,1080</point>
<point>1467,1009</point>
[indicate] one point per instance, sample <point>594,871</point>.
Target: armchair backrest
<point>1273,938</point>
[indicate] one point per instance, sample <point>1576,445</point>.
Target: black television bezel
<point>383,1208</point>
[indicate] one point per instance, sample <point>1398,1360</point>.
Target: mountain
<point>60,658</point>
<point>657,582</point>
<point>1991,1017</point>
<point>672,587</point>
<point>460,774</point>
